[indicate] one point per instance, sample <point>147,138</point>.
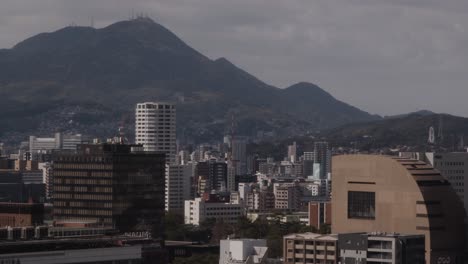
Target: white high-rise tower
<point>155,128</point>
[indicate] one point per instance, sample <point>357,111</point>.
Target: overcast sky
<point>383,56</point>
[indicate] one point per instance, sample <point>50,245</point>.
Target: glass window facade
<point>361,205</point>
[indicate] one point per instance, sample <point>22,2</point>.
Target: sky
<point>384,56</point>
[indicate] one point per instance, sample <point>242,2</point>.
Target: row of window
<point>82,181</point>
<point>84,173</point>
<point>160,119</point>
<point>96,197</point>
<point>154,131</point>
<point>82,166</point>
<point>155,106</point>
<point>223,213</point>
<point>83,212</point>
<point>87,159</point>
<point>82,204</point>
<point>450,163</point>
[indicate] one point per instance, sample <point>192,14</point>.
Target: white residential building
<point>178,186</point>
<point>155,128</point>
<point>243,251</point>
<point>198,210</point>
<point>38,145</point>
<point>244,190</point>
<point>292,152</point>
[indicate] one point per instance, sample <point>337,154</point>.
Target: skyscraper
<point>322,156</point>
<point>239,154</point>
<point>155,128</point>
<point>110,185</point>
<point>292,152</point>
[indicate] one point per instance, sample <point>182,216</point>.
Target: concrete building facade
<point>310,248</point>
<point>286,196</point>
<point>38,145</point>
<point>395,195</point>
<point>361,248</point>
<point>243,251</point>
<point>155,128</point>
<point>178,187</point>
<point>198,210</point>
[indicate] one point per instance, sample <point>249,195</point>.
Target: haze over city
<point>385,57</point>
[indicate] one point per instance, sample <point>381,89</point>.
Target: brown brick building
<point>320,213</point>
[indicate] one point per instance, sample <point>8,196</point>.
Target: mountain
<point>420,112</point>
<point>411,130</point>
<point>82,79</point>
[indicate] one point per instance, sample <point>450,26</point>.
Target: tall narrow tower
<point>155,128</point>
<point>440,132</point>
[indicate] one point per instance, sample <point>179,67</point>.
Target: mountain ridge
<point>113,68</point>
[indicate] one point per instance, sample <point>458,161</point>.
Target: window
<point>361,205</point>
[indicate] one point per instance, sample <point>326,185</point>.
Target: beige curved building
<point>386,194</point>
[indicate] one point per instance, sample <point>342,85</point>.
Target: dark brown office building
<point>214,172</point>
<point>111,185</point>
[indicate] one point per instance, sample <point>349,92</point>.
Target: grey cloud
<point>384,56</point>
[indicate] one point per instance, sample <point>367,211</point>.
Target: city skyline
<point>407,59</point>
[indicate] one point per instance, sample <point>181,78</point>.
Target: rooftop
<point>313,236</point>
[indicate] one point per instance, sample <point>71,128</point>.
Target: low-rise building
<point>354,248</point>
<point>319,214</point>
<point>243,251</point>
<point>310,248</point>
<point>287,196</point>
<point>260,201</point>
<point>357,248</point>
<point>199,210</point>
